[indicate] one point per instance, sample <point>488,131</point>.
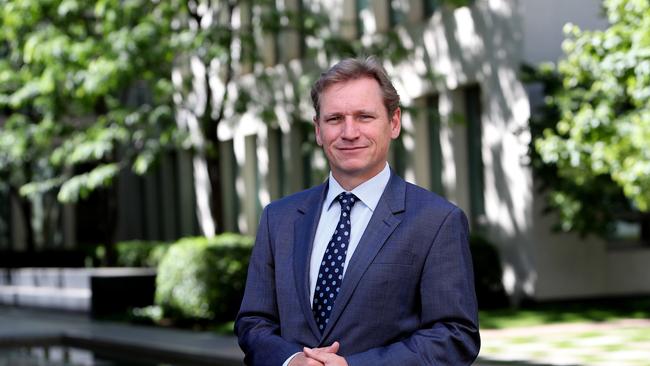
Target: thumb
<point>333,348</point>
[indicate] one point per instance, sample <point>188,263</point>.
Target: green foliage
<point>590,146</point>
<point>137,253</point>
<point>83,83</point>
<point>200,278</point>
<point>488,274</point>
<point>596,310</point>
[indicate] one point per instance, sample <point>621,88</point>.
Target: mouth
<point>351,148</point>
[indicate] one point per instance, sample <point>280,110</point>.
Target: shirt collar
<point>369,192</point>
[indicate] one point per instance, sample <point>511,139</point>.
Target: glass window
<point>429,8</point>
<point>364,15</point>
<point>631,230</point>
<point>433,118</point>
<point>228,189</point>
<point>475,158</point>
<point>276,175</point>
<point>396,12</point>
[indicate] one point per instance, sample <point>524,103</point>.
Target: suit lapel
<point>382,223</point>
<point>304,232</point>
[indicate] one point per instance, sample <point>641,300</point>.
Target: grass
<point>566,312</point>
<point>227,328</point>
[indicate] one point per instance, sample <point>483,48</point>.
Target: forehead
<point>362,93</point>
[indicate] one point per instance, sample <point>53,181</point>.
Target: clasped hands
<point>323,356</point>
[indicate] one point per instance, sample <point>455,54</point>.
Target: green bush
<point>138,253</point>
<point>488,274</point>
<point>203,279</point>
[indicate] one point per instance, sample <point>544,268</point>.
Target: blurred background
<point>140,140</point>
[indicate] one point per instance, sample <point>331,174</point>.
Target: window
<point>364,16</point>
<point>398,158</point>
<point>631,230</point>
<point>429,7</point>
<point>427,152</point>
<point>435,153</point>
<point>228,189</point>
<point>276,175</point>
<point>396,12</point>
<point>475,159</point>
<point>300,149</point>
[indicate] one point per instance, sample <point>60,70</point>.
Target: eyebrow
<point>354,113</point>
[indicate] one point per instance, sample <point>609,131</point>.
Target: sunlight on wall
<point>466,33</point>
<point>446,147</point>
<point>203,192</point>
<point>195,105</point>
<point>263,194</point>
<point>239,147</point>
<point>509,279</point>
<point>409,145</point>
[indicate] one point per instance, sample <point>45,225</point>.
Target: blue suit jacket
<point>407,297</point>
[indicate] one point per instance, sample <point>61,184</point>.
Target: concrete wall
<point>543,21</point>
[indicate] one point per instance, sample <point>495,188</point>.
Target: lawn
<point>566,312</point>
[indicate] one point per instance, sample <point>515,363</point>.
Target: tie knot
<point>346,200</point>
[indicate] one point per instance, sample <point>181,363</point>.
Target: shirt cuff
<point>286,363</point>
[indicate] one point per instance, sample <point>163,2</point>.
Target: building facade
<point>464,135</point>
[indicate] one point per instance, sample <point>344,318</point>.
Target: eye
<point>366,117</point>
<point>333,119</point>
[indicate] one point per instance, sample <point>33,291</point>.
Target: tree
<point>83,92</point>
<point>590,144</point>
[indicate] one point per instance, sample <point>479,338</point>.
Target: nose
<point>350,129</point>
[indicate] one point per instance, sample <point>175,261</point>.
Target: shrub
<point>487,274</point>
<point>203,279</point>
<point>139,253</point>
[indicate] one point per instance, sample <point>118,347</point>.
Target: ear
<point>319,141</point>
<point>396,123</point>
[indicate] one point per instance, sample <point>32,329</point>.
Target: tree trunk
<point>26,214</point>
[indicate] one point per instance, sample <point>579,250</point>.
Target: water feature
<point>64,356</point>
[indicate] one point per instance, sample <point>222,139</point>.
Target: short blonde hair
<point>353,69</point>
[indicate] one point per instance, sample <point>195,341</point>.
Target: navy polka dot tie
<point>331,268</point>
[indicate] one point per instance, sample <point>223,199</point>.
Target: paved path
<point>617,343</point>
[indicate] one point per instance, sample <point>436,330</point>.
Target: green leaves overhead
<point>84,84</point>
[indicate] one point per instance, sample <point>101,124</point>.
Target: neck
<point>350,182</point>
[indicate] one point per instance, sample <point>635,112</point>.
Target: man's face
<point>355,130</point>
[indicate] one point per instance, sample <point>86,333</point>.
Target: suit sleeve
<point>257,324</point>
<point>449,316</point>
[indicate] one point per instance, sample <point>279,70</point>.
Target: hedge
<point>203,279</point>
<point>488,274</point>
<point>140,253</point>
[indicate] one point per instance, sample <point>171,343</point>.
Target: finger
<point>333,348</point>
<point>302,360</point>
<point>315,354</point>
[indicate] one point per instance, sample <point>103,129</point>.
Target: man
<point>364,269</point>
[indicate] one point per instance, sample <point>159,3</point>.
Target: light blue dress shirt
<point>369,193</point>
